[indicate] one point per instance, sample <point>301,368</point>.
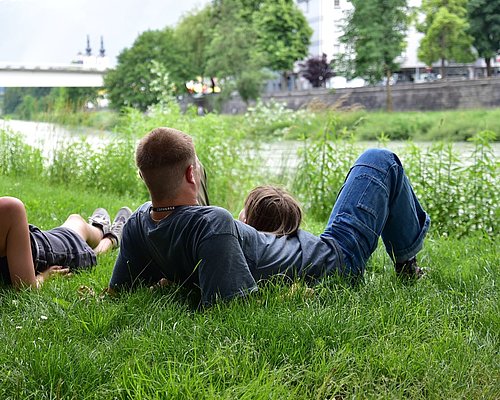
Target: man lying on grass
<point>28,256</point>
<point>174,238</point>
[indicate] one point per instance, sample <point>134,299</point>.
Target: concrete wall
<point>437,95</point>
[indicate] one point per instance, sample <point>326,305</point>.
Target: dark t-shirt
<point>207,247</point>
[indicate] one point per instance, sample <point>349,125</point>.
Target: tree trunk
<point>284,81</point>
<point>388,89</point>
<point>487,60</point>
<point>443,69</point>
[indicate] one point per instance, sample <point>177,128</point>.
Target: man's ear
<point>190,174</point>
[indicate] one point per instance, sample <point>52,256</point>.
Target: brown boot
<point>409,269</point>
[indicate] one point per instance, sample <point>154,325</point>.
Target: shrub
<point>273,119</point>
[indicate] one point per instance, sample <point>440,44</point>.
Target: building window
<point>307,5</point>
<point>336,3</point>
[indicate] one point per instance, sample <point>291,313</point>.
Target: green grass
<point>451,125</point>
<point>437,339</point>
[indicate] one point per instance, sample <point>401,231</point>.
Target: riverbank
<point>272,121</point>
<point>457,184</point>
<point>277,155</point>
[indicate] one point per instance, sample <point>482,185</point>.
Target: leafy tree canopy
<point>374,37</point>
<point>232,53</point>
<point>193,35</point>
<point>283,34</point>
<point>484,19</point>
<point>317,70</point>
<point>233,40</point>
<point>445,30</point>
<point>129,83</point>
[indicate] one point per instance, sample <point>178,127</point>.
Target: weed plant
<point>275,120</point>
<point>459,192</point>
<point>17,158</point>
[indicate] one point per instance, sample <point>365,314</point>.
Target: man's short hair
<point>163,156</point>
<point>272,209</point>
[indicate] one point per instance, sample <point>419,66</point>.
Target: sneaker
<point>100,218</point>
<point>115,233</point>
<point>409,269</point>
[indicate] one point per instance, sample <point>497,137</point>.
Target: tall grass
<point>273,120</point>
<point>230,161</point>
<point>459,192</point>
<point>18,158</point>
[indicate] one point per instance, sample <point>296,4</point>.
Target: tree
<point>13,97</point>
<point>445,30</point>
<point>317,70</point>
<point>232,53</point>
<point>374,36</point>
<point>193,35</point>
<point>283,34</point>
<point>484,19</point>
<point>129,83</point>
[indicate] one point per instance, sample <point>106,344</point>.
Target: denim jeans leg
<point>376,200</point>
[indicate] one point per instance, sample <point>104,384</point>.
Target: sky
<point>51,32</point>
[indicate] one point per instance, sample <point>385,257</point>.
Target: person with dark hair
<point>172,238</point>
<point>29,256</point>
<point>272,209</point>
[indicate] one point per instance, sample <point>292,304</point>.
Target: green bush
<point>275,120</point>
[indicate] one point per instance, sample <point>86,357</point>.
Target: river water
<point>276,155</point>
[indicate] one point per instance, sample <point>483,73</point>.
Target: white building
<point>327,18</point>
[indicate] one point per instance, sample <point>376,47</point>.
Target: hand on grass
<point>51,271</point>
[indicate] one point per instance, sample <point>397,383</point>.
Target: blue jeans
<point>376,200</point>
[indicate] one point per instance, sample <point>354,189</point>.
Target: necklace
<point>163,209</point>
<point>160,209</point>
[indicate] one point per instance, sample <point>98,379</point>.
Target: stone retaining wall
<point>446,95</point>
